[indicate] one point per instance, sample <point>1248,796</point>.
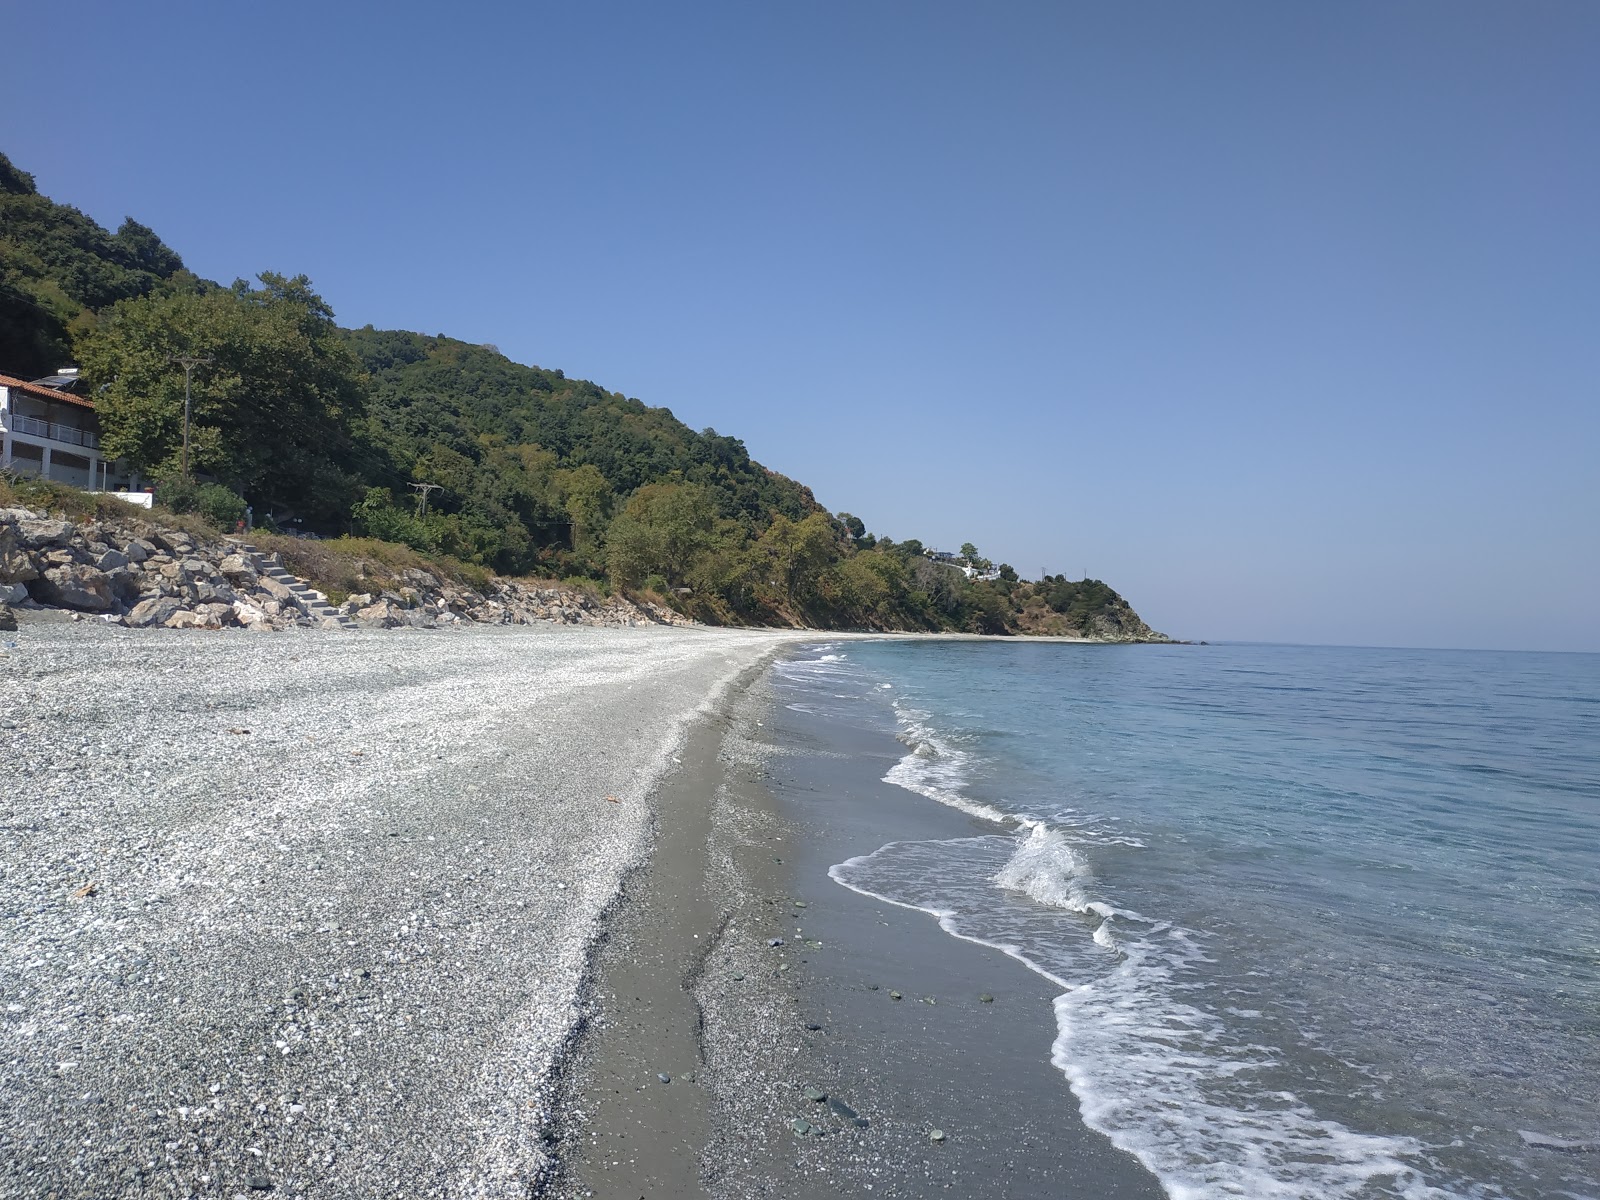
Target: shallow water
<point>1326,921</point>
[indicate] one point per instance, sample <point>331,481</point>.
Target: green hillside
<point>326,430</point>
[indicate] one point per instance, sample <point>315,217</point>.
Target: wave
<point>1164,1078</point>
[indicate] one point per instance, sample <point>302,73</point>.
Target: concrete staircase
<point>270,566</point>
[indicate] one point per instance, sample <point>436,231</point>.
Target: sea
<point>1324,921</point>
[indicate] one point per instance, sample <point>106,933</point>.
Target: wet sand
<point>689,985</point>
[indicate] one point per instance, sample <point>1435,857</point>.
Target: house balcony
<point>50,430</point>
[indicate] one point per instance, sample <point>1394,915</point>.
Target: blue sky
<point>1280,318</point>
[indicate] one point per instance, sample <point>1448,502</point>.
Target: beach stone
<point>800,1126</point>
<point>986,999</point>
<point>813,1027</point>
<point>8,620</point>
<point>936,1135</point>
<point>738,977</point>
<point>12,593</point>
<point>896,996</point>
<point>816,1094</point>
<point>258,1183</point>
<point>775,942</point>
<point>664,1077</point>
<point>157,610</point>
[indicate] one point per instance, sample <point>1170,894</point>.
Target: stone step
<point>312,602</point>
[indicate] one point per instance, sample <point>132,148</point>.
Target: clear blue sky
<point>1283,319</point>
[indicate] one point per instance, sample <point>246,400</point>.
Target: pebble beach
<point>310,913</point>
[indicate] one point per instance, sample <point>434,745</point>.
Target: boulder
<point>157,610</point>
<point>278,591</point>
<point>385,614</point>
<point>222,612</point>
<point>13,593</point>
<point>46,531</point>
<point>238,568</point>
<point>248,614</point>
<point>173,542</point>
<point>15,564</point>
<point>8,620</point>
<point>124,584</point>
<point>138,550</point>
<point>111,560</point>
<point>187,619</point>
<point>74,586</point>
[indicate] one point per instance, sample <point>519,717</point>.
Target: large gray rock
<point>124,584</point>
<point>15,564</point>
<point>186,619</point>
<point>278,591</point>
<point>8,620</point>
<point>46,531</point>
<point>75,586</point>
<point>138,550</point>
<point>13,593</point>
<point>238,568</point>
<point>385,614</point>
<point>110,560</point>
<point>157,610</point>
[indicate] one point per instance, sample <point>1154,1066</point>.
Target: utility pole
<point>422,490</point>
<point>188,362</point>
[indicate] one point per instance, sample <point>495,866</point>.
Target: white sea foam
<point>1048,869</point>
<point>1167,1082</point>
<point>1163,1077</point>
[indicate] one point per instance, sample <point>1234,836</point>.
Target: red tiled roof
<point>44,393</point>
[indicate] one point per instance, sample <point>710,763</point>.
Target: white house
<point>49,432</point>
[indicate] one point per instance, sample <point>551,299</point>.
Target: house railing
<point>56,433</point>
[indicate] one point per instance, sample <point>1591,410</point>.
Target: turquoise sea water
<point>1326,921</point>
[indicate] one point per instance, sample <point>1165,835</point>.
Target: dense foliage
<point>453,449</point>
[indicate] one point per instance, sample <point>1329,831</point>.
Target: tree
<point>273,409</point>
<point>969,551</point>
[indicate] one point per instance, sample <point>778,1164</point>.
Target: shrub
<point>217,504</point>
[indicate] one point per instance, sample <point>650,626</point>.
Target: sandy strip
<point>310,912</point>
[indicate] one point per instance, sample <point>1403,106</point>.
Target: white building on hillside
<point>49,432</point>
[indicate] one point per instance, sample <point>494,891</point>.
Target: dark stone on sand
<point>775,941</point>
<point>664,1077</point>
<point>800,1126</point>
<point>258,1183</point>
<point>896,996</point>
<point>816,1094</point>
<point>738,977</point>
<point>813,1027</point>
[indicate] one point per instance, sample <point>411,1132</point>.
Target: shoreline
<point>765,1029</point>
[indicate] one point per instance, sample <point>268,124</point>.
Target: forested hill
<point>455,450</point>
